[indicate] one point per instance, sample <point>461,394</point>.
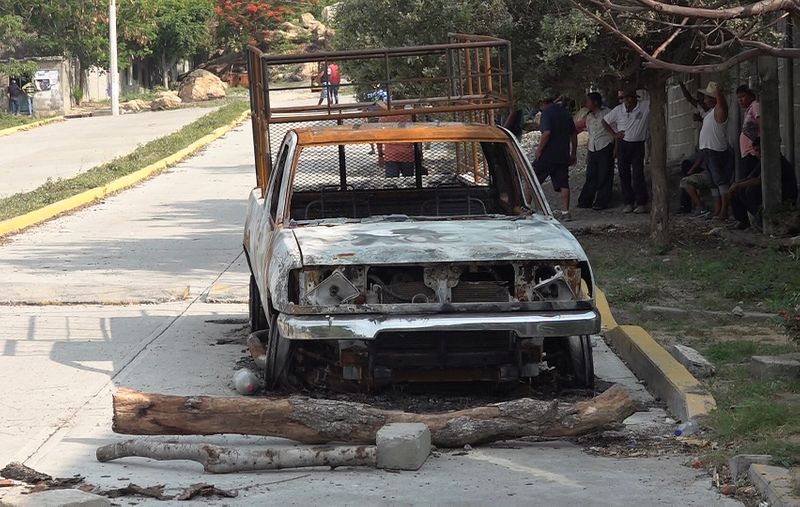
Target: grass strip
<point>10,120</point>
<point>56,190</point>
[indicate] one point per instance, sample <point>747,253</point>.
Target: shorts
<point>396,169</point>
<point>323,94</point>
<point>700,181</point>
<point>558,173</point>
<point>720,168</point>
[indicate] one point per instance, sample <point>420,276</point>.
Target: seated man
<point>697,179</point>
<point>745,194</point>
<point>686,201</point>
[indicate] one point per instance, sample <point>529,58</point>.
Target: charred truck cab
<point>419,248</point>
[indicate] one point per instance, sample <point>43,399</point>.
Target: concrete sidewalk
<point>65,149</point>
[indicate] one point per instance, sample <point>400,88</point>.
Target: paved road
<point>60,363</point>
<point>65,149</point>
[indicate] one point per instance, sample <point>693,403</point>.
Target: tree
<point>698,38</point>
<point>183,29</point>
<point>554,51</point>
<point>243,22</point>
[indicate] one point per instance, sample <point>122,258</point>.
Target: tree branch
<point>671,38</point>
<point>759,49</point>
<point>743,11</point>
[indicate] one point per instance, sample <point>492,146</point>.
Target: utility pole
<point>112,56</point>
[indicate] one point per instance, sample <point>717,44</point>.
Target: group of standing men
<point>621,133</point>
<point>712,168</point>
<point>613,133</point>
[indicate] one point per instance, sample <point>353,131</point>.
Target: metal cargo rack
<point>477,88</point>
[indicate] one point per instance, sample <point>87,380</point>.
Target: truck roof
<point>404,132</point>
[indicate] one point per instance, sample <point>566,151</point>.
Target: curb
<point>76,201</point>
<point>29,126</point>
<point>774,484</point>
<point>666,378</point>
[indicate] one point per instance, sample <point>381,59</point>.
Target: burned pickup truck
<point>402,251</point>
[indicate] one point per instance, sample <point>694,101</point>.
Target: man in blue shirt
<point>557,151</point>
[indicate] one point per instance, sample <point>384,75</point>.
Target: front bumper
<point>367,327</point>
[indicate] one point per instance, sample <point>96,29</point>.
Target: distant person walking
<point>335,81</point>
<point>557,151</point>
<point>629,123</point>
<point>15,96</point>
<point>596,192</point>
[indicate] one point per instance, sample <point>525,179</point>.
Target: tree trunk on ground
<point>659,211</point>
<point>223,460</point>
<point>315,421</point>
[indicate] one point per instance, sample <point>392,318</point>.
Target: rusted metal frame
<point>394,81</point>
<point>257,108</point>
<point>356,115</point>
<point>343,168</point>
<point>469,37</point>
<point>473,99</point>
<point>359,54</point>
<point>387,80</point>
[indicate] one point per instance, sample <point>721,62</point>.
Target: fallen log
<point>222,460</point>
<point>316,421</point>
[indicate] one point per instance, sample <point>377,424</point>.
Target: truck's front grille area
<point>480,292</point>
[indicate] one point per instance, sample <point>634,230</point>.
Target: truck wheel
<point>258,319</point>
<point>580,353</point>
<point>279,357</point>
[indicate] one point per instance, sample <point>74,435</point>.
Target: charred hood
<point>416,242</point>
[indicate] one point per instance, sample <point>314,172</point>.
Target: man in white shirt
<point>596,192</point>
<point>629,123</point>
<point>715,153</point>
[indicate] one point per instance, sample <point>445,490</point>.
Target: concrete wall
<point>53,85</point>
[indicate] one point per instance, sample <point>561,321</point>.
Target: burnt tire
<point>279,357</point>
<point>582,361</point>
<point>572,358</point>
<point>258,318</point>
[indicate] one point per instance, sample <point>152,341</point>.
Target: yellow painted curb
<point>606,317</point>
<point>28,126</point>
<point>666,378</point>
<point>76,201</point>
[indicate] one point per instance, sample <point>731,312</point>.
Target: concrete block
<point>740,464</point>
<point>774,484</point>
<point>697,365</point>
<point>403,446</point>
<point>774,367</point>
<point>53,498</point>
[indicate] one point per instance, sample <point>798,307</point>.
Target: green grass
<point>754,417</point>
<point>706,273</point>
<point>740,350</point>
<point>703,272</point>
<point>53,191</point>
<point>9,120</point>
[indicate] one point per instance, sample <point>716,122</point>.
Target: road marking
<point>516,467</point>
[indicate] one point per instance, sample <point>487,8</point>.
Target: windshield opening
<point>437,179</point>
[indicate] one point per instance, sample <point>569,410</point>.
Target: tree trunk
<point>315,421</point>
<point>164,71</point>
<point>223,460</point>
<point>659,211</point>
<point>770,139</point>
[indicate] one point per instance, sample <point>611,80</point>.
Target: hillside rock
<point>329,12</point>
<point>165,100</point>
<point>134,106</point>
<point>201,85</point>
